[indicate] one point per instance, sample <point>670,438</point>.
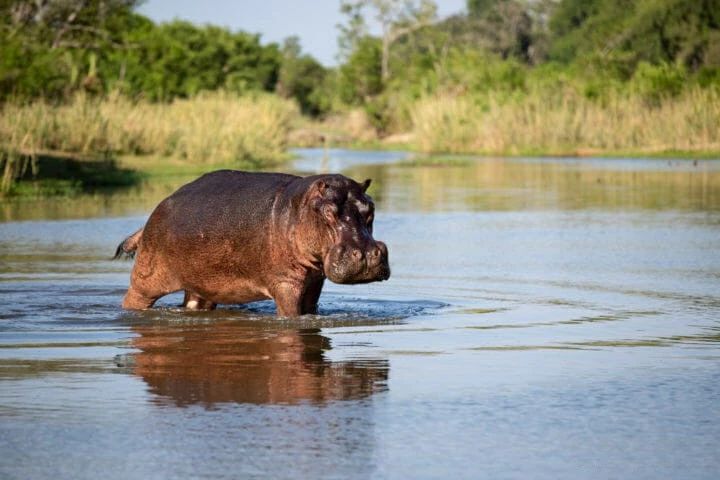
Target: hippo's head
<point>345,213</point>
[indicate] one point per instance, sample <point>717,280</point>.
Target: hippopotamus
<point>234,237</point>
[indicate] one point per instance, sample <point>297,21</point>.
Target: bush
<point>360,77</point>
<point>657,82</point>
<point>303,78</point>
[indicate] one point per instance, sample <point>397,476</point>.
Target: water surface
<point>553,318</point>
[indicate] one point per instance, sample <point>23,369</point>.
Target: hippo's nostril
<point>357,254</point>
<point>376,252</point>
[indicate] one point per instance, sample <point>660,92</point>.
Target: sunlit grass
<point>210,129</point>
<point>565,123</point>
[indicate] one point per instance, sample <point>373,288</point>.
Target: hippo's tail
<point>128,246</point>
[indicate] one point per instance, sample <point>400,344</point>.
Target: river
<point>546,318</point>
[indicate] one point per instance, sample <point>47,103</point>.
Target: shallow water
<point>553,318</point>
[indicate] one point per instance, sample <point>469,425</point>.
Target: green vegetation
<point>550,77</point>
<point>210,129</point>
<point>95,80</point>
<point>566,123</point>
<point>51,49</point>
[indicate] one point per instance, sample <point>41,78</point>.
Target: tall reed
<point>568,123</point>
<point>210,128</point>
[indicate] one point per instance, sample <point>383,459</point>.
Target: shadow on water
<point>55,174</point>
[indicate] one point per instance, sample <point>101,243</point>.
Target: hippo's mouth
<point>348,264</point>
<point>345,277</point>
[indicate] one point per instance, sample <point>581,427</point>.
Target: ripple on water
<point>542,316</point>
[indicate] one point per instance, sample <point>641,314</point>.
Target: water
<point>552,318</point>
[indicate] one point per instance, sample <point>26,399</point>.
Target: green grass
<point>46,174</point>
<point>45,188</point>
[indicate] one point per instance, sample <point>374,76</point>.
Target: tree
<point>478,8</point>
<point>48,48</point>
<point>507,27</point>
<point>397,18</point>
<point>68,23</point>
<point>360,76</point>
<point>633,31</point>
<point>302,77</point>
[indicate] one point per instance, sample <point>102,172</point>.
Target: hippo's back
<point>226,205</point>
<point>222,186</point>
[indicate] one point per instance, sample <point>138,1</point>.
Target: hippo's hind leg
<point>149,281</point>
<point>193,301</point>
<point>136,300</point>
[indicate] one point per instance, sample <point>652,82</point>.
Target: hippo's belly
<point>228,290</point>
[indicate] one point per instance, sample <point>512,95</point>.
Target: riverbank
<point>208,130</point>
<point>540,123</point>
<point>60,175</point>
<point>48,150</point>
<point>69,177</point>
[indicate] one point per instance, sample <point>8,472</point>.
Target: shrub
<point>657,82</point>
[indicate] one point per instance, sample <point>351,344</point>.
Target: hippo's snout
<point>352,264</point>
<point>378,261</point>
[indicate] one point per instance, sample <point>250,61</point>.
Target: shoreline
<point>579,153</point>
<point>127,170</point>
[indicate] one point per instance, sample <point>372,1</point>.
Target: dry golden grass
<point>567,123</point>
<point>210,128</point>
<point>215,128</point>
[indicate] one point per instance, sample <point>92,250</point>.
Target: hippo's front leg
<point>311,296</point>
<point>288,299</point>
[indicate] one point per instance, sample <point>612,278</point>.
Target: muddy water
<point>552,318</point>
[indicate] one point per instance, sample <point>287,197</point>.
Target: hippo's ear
<point>316,194</point>
<point>317,190</point>
<point>364,185</point>
<point>318,187</point>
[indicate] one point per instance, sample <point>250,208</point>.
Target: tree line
<point>50,49</point>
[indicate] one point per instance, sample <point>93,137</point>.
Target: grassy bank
<point>59,149</point>
<point>565,123</point>
<point>210,129</point>
<point>539,123</point>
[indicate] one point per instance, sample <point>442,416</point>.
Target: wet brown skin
<point>236,237</point>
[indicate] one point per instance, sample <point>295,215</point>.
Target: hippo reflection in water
<point>227,361</point>
<point>236,237</point>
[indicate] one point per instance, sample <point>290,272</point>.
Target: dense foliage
<point>652,48</point>
<point>50,49</point>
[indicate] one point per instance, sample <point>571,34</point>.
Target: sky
<point>314,21</point>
